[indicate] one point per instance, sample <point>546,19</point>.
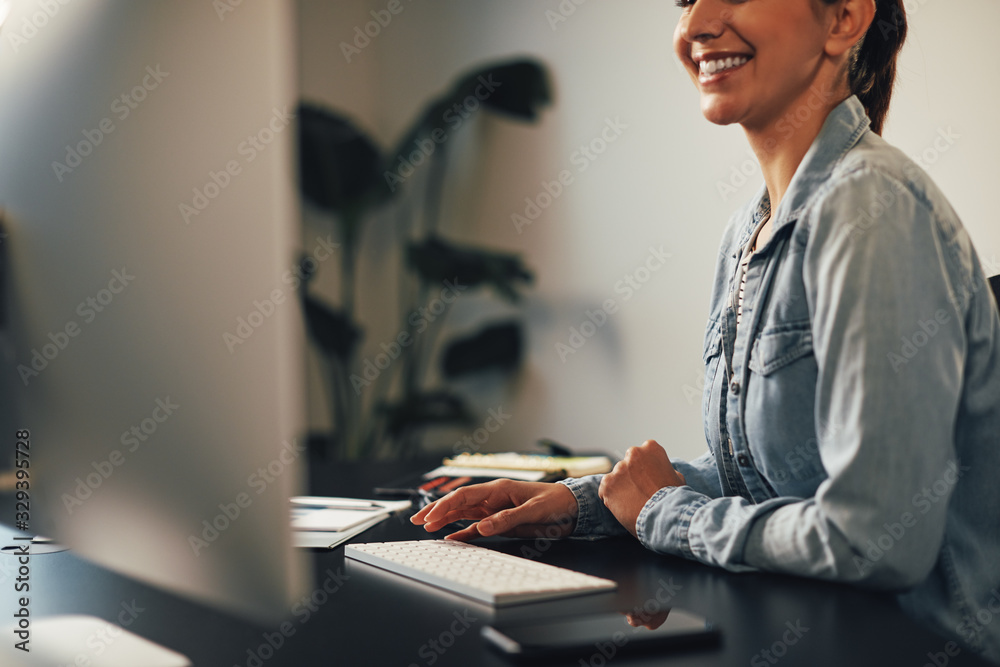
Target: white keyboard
<point>483,574</point>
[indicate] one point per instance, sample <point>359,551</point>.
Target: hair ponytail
<point>872,69</point>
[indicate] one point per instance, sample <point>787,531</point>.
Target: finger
<point>609,481</point>
<point>440,507</point>
<point>506,520</point>
<point>465,534</point>
<point>464,514</point>
<point>467,496</point>
<point>652,445</point>
<point>418,518</point>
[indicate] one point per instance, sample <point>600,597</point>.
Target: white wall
<point>657,185</point>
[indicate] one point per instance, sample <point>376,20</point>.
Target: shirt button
<point>743,460</point>
<point>734,387</point>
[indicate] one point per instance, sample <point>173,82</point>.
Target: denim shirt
<point>853,418</point>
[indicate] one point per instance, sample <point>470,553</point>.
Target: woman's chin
<point>720,112</point>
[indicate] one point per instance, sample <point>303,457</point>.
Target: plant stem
<point>428,344</point>
<point>339,406</point>
<point>435,188</point>
<point>350,412</point>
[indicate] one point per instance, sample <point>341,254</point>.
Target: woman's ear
<point>851,21</point>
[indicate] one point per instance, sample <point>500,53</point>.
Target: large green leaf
<point>332,330</point>
<point>436,260</point>
<point>497,346</point>
<point>518,88</point>
<point>341,170</point>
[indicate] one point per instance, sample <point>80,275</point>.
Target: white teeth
<point>722,64</point>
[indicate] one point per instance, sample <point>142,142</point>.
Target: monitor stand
<point>54,641</point>
<point>33,546</point>
<point>63,640</point>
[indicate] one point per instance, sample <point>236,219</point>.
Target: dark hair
<point>872,69</point>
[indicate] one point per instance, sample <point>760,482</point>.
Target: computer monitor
<point>151,336</point>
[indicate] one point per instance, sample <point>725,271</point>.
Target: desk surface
<point>371,620</point>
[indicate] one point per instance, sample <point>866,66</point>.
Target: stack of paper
<point>324,522</point>
<point>502,463</point>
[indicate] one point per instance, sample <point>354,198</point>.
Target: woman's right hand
<point>503,507</point>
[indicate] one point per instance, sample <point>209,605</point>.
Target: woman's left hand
<point>645,470</point>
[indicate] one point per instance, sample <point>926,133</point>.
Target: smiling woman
<point>827,456</point>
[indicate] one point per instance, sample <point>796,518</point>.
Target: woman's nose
<point>706,19</point>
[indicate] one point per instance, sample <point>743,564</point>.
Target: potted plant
<point>347,176</point>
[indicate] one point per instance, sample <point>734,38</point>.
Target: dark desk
<point>366,618</point>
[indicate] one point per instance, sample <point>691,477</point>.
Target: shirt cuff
<point>665,520</point>
<point>593,518</point>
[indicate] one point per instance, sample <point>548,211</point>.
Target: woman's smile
<point>717,67</point>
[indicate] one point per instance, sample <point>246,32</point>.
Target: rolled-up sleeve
<point>595,519</point>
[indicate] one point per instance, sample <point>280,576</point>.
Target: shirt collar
<point>840,132</point>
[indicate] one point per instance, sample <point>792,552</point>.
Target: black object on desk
<point>356,617</point>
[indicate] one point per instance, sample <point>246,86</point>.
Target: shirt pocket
<point>713,341</point>
<point>779,346</point>
<point>711,355</point>
<point>779,412</point>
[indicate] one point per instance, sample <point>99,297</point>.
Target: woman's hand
<point>503,507</point>
<point>645,470</point>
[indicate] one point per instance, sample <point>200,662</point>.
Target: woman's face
<point>752,59</point>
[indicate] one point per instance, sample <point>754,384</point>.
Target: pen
<point>363,505</point>
<point>355,508</point>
